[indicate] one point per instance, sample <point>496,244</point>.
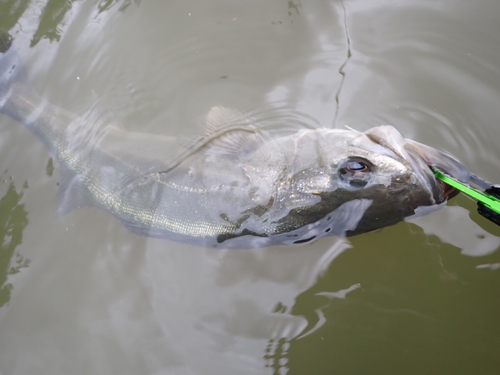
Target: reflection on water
<point>52,16</point>
<point>13,220</point>
<point>472,239</point>
<point>51,19</point>
<point>11,11</point>
<point>419,297</point>
<point>105,5</point>
<point>406,305</point>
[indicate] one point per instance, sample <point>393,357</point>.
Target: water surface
<point>82,295</point>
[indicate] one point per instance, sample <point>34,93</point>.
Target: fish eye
<point>357,166</point>
<point>355,172</point>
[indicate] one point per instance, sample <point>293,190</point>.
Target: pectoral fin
<point>72,193</point>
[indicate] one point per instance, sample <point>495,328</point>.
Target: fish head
<point>393,173</point>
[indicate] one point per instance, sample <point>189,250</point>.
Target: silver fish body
<point>235,186</point>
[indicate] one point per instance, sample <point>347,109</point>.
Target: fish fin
<point>220,117</point>
<point>351,129</point>
<point>227,133</point>
<point>99,115</point>
<point>230,133</point>
<point>143,231</point>
<point>72,193</point>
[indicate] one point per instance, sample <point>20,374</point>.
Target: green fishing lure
<point>488,200</point>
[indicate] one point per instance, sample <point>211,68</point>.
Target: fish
<point>235,185</point>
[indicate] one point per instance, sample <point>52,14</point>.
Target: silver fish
<point>236,186</point>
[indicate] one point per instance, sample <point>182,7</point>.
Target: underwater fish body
<point>234,186</point>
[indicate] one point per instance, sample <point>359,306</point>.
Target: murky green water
<point>82,295</point>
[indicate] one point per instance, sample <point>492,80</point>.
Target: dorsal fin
<point>98,115</point>
<point>219,117</point>
<point>227,133</point>
<point>230,133</point>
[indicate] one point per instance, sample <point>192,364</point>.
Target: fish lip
<point>444,162</point>
<point>412,157</point>
<point>425,174</point>
<point>441,160</point>
<point>421,158</point>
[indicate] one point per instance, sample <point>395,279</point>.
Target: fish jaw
<point>445,162</point>
<point>437,158</point>
<point>420,158</point>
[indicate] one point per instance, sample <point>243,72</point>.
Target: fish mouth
<point>421,158</point>
<point>446,163</point>
<point>448,190</point>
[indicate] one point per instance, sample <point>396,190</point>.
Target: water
<point>82,295</point>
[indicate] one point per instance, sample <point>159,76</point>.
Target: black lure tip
<point>488,213</point>
<point>5,41</point>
